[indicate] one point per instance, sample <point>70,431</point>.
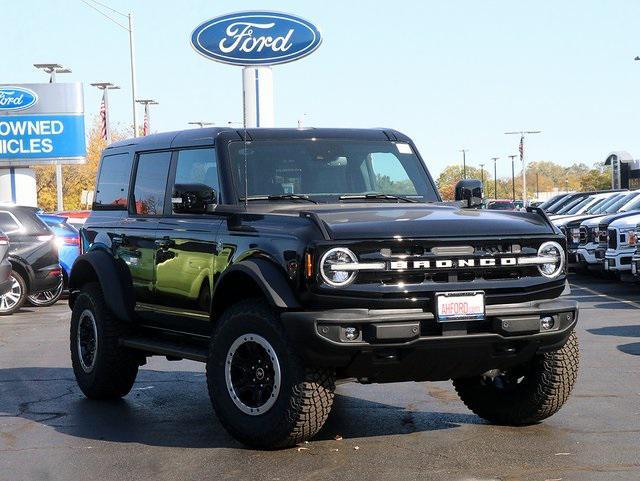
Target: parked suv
<point>33,255</point>
<point>288,258</point>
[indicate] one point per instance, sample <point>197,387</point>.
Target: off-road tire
<point>546,387</point>
<point>115,368</point>
<point>23,295</point>
<point>306,393</point>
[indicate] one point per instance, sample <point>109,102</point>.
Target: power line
<point>104,15</point>
<point>109,8</point>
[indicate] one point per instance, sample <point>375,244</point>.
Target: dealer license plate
<point>460,306</point>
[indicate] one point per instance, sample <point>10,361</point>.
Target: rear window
<point>8,223</point>
<point>113,182</point>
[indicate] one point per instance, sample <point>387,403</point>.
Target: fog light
<point>547,323</point>
<point>351,333</point>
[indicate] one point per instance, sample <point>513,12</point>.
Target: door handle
<point>165,243</point>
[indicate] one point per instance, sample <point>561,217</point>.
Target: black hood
<point>387,221</point>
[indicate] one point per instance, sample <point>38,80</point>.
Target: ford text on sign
<point>256,38</point>
<point>16,98</point>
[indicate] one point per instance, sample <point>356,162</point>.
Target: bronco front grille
<point>421,263</point>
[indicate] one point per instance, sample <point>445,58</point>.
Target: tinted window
<point>197,167</point>
<point>8,223</point>
<point>113,182</point>
<point>151,183</point>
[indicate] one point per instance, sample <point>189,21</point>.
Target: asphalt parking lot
<point>165,428</point>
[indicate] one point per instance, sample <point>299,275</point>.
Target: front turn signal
<point>308,265</point>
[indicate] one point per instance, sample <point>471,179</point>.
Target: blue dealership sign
<point>256,38</point>
<point>41,124</point>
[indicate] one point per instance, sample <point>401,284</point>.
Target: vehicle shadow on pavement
<point>172,408</point>
<point>621,331</point>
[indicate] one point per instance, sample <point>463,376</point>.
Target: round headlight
<point>551,250</point>
<point>329,263</point>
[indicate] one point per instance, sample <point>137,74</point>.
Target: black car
<point>6,281</point>
<point>32,253</point>
<point>288,258</point>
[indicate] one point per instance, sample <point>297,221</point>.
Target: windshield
<point>501,206</point>
<point>575,202</point>
<point>582,206</point>
<point>326,170</point>
<point>615,207</point>
<point>633,205</point>
<point>602,206</point>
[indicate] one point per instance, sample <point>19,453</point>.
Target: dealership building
<point>625,170</point>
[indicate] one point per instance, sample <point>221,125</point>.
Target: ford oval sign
<point>256,38</point>
<point>16,98</point>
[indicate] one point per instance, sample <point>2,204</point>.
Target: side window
<point>151,183</point>
<point>113,182</point>
<point>8,222</point>
<point>197,167</point>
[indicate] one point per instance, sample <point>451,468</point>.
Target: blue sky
<point>449,73</point>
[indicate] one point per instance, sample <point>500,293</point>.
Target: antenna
<point>246,178</point>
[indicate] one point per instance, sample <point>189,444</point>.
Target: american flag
<point>521,147</point>
<point>103,119</point>
<point>145,124</point>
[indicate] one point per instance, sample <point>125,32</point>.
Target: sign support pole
<point>257,96</point>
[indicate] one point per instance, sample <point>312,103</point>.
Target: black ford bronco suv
<point>286,259</point>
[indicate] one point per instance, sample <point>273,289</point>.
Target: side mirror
<point>469,192</point>
<point>193,199</point>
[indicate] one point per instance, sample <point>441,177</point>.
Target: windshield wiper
<point>281,197</point>
<point>376,196</point>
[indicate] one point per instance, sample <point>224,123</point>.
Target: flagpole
<point>146,126</point>
<point>105,87</point>
<point>522,159</point>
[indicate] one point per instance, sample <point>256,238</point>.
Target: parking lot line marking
<point>598,293</point>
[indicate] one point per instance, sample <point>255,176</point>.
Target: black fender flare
<point>113,277</point>
<point>267,275</point>
<point>25,266</point>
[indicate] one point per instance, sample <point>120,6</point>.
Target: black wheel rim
<point>252,374</point>
<point>87,340</point>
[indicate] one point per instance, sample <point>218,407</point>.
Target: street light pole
<point>105,87</point>
<point>522,134</point>
<point>132,51</point>
<point>132,59</point>
<point>513,177</point>
<point>482,176</point>
<point>495,177</point>
<point>464,162</point>
<point>200,123</point>
<point>52,69</point>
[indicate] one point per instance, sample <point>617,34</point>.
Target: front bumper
<point>409,344</point>
<point>618,260</point>
<point>587,255</point>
